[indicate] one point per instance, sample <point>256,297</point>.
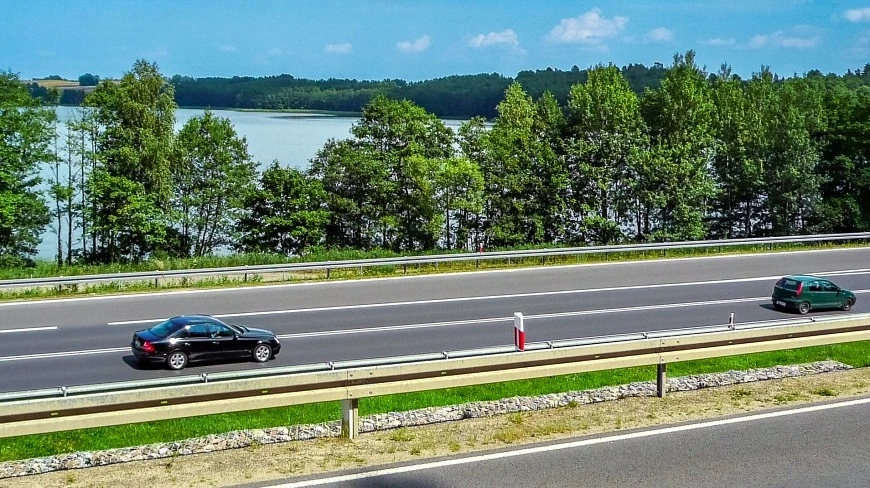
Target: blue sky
<point>416,40</point>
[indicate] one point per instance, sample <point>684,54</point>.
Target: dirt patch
<point>273,462</point>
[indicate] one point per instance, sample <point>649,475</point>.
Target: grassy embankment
<point>855,354</point>
<point>46,269</point>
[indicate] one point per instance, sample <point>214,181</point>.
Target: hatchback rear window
<point>787,284</point>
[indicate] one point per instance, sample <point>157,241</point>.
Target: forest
<point>591,158</point>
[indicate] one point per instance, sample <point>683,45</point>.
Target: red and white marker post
<point>519,332</point>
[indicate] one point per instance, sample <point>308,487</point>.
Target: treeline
<point>700,156</point>
<point>458,96</point>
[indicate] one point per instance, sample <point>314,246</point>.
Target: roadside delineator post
<point>519,332</point>
<point>731,321</point>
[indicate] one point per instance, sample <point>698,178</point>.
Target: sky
<point>418,40</point>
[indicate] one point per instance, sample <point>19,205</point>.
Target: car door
<point>198,342</point>
<point>813,294</point>
<point>830,294</point>
<point>225,342</point>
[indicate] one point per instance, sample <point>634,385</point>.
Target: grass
<point>45,269</point>
<point>855,354</point>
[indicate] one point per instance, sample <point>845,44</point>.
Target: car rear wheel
<point>803,308</point>
<point>847,304</point>
<point>262,353</point>
<point>176,360</point>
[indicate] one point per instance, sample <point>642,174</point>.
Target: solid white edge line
<point>493,297</point>
<point>28,329</point>
<point>569,445</point>
<point>425,276</point>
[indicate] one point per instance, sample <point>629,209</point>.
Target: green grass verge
<point>855,354</point>
<point>48,269</point>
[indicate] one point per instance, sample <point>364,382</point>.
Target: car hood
<point>254,332</point>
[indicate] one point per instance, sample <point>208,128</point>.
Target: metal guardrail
<point>66,408</point>
<point>416,260</point>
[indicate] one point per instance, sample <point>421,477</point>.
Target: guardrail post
<point>350,418</point>
<point>661,379</point>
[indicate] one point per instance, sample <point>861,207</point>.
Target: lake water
<point>291,139</point>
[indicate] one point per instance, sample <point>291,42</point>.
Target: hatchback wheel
<point>262,353</point>
<point>176,360</point>
<point>803,308</point>
<point>847,304</point>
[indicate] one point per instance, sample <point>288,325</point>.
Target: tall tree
<point>604,142</point>
<point>26,134</point>
<point>136,117</point>
<point>410,144</point>
<point>792,180</point>
<point>460,199</point>
<point>679,114</point>
<point>525,179</point>
<point>213,172</point>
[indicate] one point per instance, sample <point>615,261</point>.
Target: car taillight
<point>800,288</point>
<point>147,346</point>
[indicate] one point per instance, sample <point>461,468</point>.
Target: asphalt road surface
<point>86,340</point>
<point>818,446</point>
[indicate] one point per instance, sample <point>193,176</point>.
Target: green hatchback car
<point>805,292</point>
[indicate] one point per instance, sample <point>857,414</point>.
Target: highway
<point>86,340</point>
<point>823,445</point>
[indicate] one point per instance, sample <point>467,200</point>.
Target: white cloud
<point>588,28</point>
<point>862,44</point>
<point>275,51</point>
<point>228,48</point>
<point>799,37</point>
<point>659,34</point>
<point>858,15</point>
<point>417,46</point>
<point>338,48</point>
<point>716,41</point>
<point>506,37</point>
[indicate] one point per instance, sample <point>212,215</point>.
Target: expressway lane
<point>821,445</point>
<point>92,352</point>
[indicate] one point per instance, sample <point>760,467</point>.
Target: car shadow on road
<point>134,363</point>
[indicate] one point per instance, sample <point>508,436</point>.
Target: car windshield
<point>165,329</point>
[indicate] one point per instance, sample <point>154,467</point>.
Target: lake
<point>290,138</point>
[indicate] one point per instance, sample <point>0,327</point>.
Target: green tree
<point>678,184</point>
<point>135,117</point>
<point>459,185</point>
<point>738,164</point>
<point>213,172</point>
<point>410,144</point>
<point>286,213</point>
<point>130,223</point>
<point>525,178</point>
<point>604,142</point>
<point>845,164</point>
<point>26,134</point>
<point>792,181</point>
<point>357,190</point>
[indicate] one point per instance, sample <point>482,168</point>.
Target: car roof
<point>195,319</point>
<point>803,277</point>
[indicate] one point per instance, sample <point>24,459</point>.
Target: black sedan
<point>186,338</point>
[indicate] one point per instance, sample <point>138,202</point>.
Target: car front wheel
<point>803,308</point>
<point>847,304</point>
<point>262,353</point>
<point>176,360</point>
